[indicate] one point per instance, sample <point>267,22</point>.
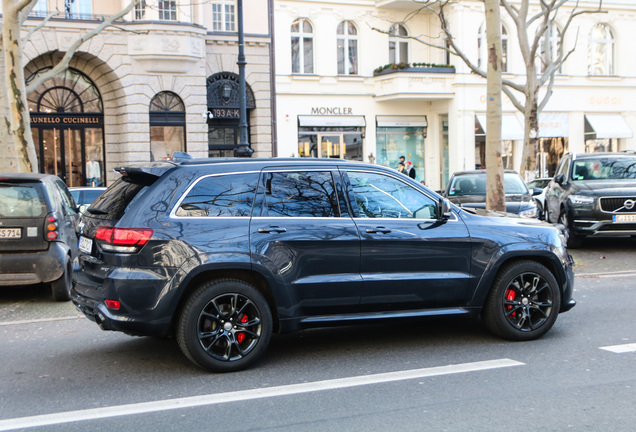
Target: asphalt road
<point>61,372</point>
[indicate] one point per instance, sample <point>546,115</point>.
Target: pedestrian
<point>410,171</point>
<point>401,168</point>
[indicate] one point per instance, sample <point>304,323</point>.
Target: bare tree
<point>495,191</point>
<point>16,142</point>
<point>524,96</point>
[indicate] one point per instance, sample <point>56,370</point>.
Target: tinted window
<point>21,201</point>
<point>112,203</point>
<point>381,196</point>
<point>65,196</point>
<point>225,195</point>
<point>300,194</point>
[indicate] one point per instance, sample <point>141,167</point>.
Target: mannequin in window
<point>93,173</point>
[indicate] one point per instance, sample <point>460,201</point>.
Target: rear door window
<point>299,194</point>
<point>228,195</point>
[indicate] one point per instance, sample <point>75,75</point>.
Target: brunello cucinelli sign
<point>42,119</point>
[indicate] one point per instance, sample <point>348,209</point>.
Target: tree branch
<point>65,61</point>
<point>38,27</point>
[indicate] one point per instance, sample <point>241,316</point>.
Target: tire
<point>61,288</point>
<point>574,241</point>
<point>523,303</point>
<point>224,326</point>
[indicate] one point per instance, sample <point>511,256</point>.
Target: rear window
<point>112,203</point>
<point>21,201</point>
<point>229,195</point>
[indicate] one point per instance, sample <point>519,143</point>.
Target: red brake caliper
<point>241,336</point>
<point>510,296</point>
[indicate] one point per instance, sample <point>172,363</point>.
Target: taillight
<point>125,240</point>
<point>50,229</point>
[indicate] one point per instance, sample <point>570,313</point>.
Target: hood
<point>514,203</point>
<point>609,187</point>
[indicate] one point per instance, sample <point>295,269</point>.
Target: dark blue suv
<point>221,253</point>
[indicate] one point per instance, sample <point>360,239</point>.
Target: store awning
<point>510,127</point>
<point>402,121</point>
<point>553,125</point>
<point>331,121</point>
<point>600,126</point>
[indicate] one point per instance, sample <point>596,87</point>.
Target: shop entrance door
<point>331,146</point>
<point>61,154</point>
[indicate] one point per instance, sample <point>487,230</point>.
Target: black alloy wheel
<point>225,326</point>
<point>524,301</point>
<point>574,241</point>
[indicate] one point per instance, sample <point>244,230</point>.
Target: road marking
<point>8,323</point>
<point>260,393</point>
<point>624,273</point>
<point>620,349</point>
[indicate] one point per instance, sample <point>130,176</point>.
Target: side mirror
<point>536,191</point>
<point>444,209</point>
<point>559,179</point>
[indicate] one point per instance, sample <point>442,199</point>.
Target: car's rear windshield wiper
<point>97,211</point>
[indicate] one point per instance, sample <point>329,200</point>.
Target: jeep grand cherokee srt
<point>221,253</point>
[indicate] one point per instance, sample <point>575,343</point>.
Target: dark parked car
<point>594,194</point>
<point>223,252</point>
<point>468,189</point>
<point>37,232</point>
<point>541,184</point>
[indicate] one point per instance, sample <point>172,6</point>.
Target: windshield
<point>475,184</point>
<point>623,168</point>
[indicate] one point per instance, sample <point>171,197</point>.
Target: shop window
<point>167,125</point>
<point>223,15</point>
<point>398,46</point>
<point>394,142</point>
<point>482,61</point>
<point>347,48</point>
<point>167,10</point>
<point>601,51</point>
<point>302,46</point>
<point>545,56</point>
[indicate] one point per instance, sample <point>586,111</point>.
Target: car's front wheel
<point>224,326</point>
<point>524,301</point>
<point>61,288</point>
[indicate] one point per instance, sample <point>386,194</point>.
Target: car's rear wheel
<point>574,241</point>
<point>61,288</point>
<point>224,326</point>
<point>524,301</point>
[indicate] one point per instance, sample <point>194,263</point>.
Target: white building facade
<point>334,101</point>
<point>164,79</point>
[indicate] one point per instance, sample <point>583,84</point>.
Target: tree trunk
<point>15,115</point>
<point>531,132</point>
<point>495,193</point>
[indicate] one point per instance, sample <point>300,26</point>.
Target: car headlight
<point>581,199</point>
<point>530,212</point>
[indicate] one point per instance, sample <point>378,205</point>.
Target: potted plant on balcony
<point>415,67</point>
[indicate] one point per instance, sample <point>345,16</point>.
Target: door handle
<point>377,230</point>
<point>272,229</point>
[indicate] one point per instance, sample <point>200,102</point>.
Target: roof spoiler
<point>144,173</point>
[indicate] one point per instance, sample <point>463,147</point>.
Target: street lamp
<point>243,148</point>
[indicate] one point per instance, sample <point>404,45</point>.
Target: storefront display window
<point>167,126</point>
<point>330,142</point>
<point>393,142</point>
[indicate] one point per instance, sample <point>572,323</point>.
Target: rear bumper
<point>139,313</point>
<point>33,267</point>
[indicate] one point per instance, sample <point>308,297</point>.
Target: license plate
<point>85,245</point>
<point>625,218</point>
<point>10,233</point>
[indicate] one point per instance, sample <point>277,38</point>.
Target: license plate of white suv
<point>625,218</point>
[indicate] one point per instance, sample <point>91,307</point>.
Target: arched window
<point>545,57</point>
<point>302,46</point>
<point>398,47</point>
<point>601,51</point>
<point>347,48</point>
<point>482,61</point>
<point>167,125</point>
